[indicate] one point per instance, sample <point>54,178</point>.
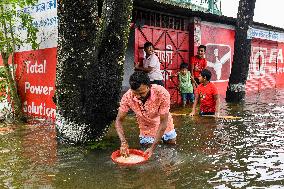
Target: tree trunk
<point>90,66</point>
<point>239,73</point>
<point>13,92</point>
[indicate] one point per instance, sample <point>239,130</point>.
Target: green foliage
<point>10,20</point>
<point>16,29</point>
<point>3,84</point>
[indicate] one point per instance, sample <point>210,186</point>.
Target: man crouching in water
<point>151,104</point>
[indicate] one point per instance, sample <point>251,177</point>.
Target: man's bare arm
<point>217,99</point>
<point>119,129</point>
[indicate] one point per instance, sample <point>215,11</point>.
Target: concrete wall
<point>129,60</point>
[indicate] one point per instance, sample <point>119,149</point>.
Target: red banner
<point>35,73</point>
<point>219,53</point>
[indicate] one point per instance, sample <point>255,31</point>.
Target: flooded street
<point>210,153</point>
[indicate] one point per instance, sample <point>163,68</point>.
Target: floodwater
<point>211,153</point>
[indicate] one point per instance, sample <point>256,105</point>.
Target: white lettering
<point>36,68</point>
<point>258,63</point>
<point>34,89</point>
<point>272,57</point>
<point>263,63</point>
<point>280,56</point>
<point>41,109</point>
<point>168,76</point>
<point>280,70</point>
<point>165,55</point>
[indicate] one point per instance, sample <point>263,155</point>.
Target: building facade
<point>175,31</point>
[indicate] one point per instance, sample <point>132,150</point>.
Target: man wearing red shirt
<point>198,62</point>
<point>207,93</point>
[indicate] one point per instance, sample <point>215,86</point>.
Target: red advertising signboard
<point>35,73</point>
<point>35,70</point>
<point>219,43</point>
<point>280,66</point>
<point>262,68</point>
<point>266,68</point>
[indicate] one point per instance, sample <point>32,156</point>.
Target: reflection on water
<point>211,153</point>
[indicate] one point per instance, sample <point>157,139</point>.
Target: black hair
<point>183,65</point>
<point>138,78</point>
<point>206,74</point>
<point>202,46</point>
<point>148,44</point>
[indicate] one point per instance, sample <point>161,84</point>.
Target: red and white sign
<point>36,72</point>
<point>266,65</point>
<point>219,52</point>
<point>266,68</point>
<point>218,58</point>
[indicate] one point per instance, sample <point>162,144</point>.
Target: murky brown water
<point>211,153</point>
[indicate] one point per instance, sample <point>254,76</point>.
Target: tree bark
<point>91,53</point>
<point>17,112</point>
<point>239,73</point>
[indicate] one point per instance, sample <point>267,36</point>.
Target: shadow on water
<point>211,153</point>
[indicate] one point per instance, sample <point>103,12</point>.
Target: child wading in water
<point>185,84</point>
<point>207,94</point>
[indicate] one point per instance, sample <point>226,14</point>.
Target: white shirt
<point>153,61</point>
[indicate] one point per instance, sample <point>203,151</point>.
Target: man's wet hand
<point>149,152</point>
<point>124,149</point>
<point>217,114</point>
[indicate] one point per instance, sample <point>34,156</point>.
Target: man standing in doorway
<point>198,63</point>
<point>151,65</point>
